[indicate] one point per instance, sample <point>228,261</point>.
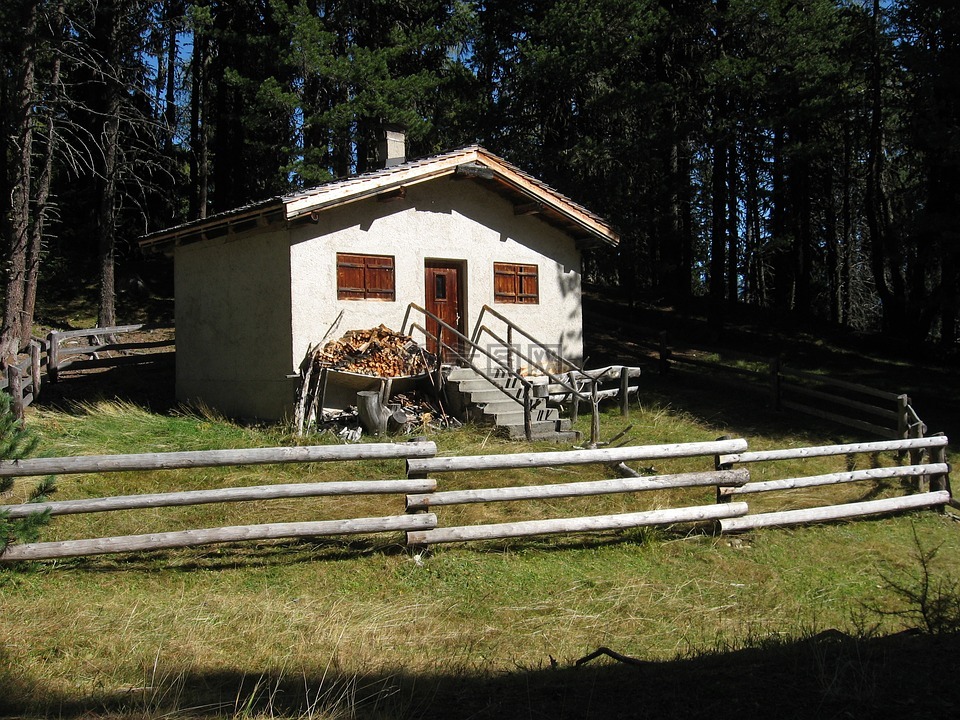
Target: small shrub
<point>932,603</point>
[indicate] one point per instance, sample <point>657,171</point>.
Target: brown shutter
<point>361,277</point>
<point>380,278</point>
<point>514,283</point>
<point>528,290</point>
<point>350,284</point>
<point>504,283</point>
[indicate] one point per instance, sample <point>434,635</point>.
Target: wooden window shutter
<point>514,283</point>
<point>365,277</point>
<point>504,283</point>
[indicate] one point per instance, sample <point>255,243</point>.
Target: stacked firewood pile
<point>380,352</point>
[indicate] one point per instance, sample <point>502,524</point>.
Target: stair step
<point>515,417</point>
<point>516,432</point>
<point>461,373</point>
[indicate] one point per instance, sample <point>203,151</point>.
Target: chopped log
<point>570,525</point>
<point>835,512</point>
<point>210,536</point>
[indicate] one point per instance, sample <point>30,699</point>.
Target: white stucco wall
<point>233,323</point>
<point>444,219</point>
<point>249,305</point>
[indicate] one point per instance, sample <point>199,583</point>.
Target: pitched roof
<point>529,195</point>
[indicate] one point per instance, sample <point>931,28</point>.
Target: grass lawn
<point>804,622</point>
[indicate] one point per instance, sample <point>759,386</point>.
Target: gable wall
<point>442,219</point>
<point>233,323</point>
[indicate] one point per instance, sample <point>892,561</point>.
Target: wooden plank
<point>123,360</point>
<point>843,477</point>
<point>214,458</point>
<point>835,512</point>
<point>837,400</point>
<point>98,332</point>
<point>115,347</point>
<point>576,489</point>
<point>841,419</point>
<point>427,466</point>
<point>855,387</point>
<point>826,450</point>
<point>611,372</point>
<point>210,536</point>
<point>572,525</point>
<point>236,494</point>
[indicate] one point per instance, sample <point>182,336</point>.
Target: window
<point>365,277</point>
<point>514,283</point>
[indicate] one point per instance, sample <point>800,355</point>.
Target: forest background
<point>799,155</point>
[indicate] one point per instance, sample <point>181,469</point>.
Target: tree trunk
<point>41,203</point>
<point>106,212</point>
<point>13,334</point>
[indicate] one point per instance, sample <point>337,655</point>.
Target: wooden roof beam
<point>533,208</point>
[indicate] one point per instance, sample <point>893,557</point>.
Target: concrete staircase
<point>499,402</point>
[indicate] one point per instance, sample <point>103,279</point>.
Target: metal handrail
<point>526,384</point>
<point>549,375</point>
<point>513,326</point>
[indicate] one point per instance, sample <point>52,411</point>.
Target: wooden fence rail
<point>61,356</point>
<point>217,458</point>
<point>935,473</point>
<point>690,514</point>
<point>422,495</point>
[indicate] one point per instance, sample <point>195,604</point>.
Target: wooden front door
<point>444,291</point>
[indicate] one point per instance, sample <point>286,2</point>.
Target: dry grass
<point>358,628</point>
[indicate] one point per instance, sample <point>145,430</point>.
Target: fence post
<point>35,368</point>
<point>527,411</point>
<point>15,387</point>
<point>775,382</point>
<point>575,384</point>
<point>595,420</point>
<point>625,391</point>
<point>724,494</point>
<point>664,353</point>
<point>53,356</point>
<point>903,416</point>
<point>940,481</point>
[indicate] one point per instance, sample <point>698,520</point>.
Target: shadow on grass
<point>150,385</point>
<point>828,676</point>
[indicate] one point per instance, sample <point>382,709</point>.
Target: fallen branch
<point>615,655</point>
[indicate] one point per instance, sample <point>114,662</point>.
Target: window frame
<point>512,283</point>
<point>374,277</point>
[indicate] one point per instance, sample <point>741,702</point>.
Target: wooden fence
<point>22,379</point>
<point>85,349</point>
<point>421,525</point>
<point>700,513</point>
<point>877,412</point>
<point>930,481</point>
<point>217,458</point>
